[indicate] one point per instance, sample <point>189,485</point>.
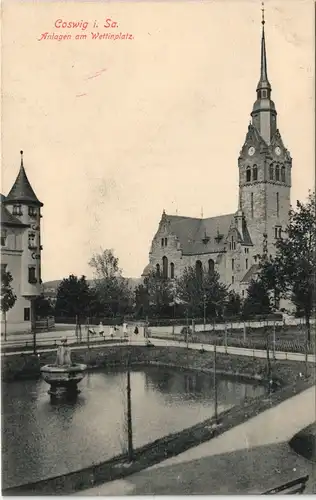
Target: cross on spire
<point>262,10</point>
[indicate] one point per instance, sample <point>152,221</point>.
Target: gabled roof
<point>21,190</point>
<point>251,273</point>
<point>191,232</point>
<point>277,141</point>
<point>253,137</point>
<point>7,219</point>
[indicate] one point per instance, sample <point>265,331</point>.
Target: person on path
<point>101,329</point>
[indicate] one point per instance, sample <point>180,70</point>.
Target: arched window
<point>199,270</point>
<point>157,269</point>
<point>277,173</point>
<point>283,174</point>
<point>248,174</point>
<point>211,266</point>
<point>271,172</point>
<point>255,173</point>
<point>172,270</point>
<point>164,267</point>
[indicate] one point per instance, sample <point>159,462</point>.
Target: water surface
<point>41,439</point>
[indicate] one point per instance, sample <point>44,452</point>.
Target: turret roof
<point>22,190</point>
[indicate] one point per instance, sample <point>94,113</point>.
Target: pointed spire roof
<point>263,82</point>
<point>21,190</point>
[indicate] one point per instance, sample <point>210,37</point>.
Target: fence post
<point>273,339</point>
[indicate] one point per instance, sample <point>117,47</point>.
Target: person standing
<point>101,329</point>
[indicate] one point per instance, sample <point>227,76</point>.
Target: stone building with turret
<point>231,243</point>
<point>21,246</point>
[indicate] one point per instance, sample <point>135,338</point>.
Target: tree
<point>157,295</point>
<point>111,288</point>
<point>198,289</point>
<point>291,273</point>
<point>142,301</point>
<point>43,306</point>
<point>8,297</point>
<point>257,301</point>
<point>233,304</point>
<point>73,298</point>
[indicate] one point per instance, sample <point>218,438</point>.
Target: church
<point>21,248</point>
<point>230,244</point>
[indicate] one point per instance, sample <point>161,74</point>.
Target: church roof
<point>251,273</point>
<point>148,269</point>
<point>199,236</point>
<point>7,219</point>
<point>21,190</point>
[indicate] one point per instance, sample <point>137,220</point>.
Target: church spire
<point>263,82</point>
<point>263,112</point>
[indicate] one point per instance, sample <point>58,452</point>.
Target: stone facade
<point>232,243</point>
<point>21,247</point>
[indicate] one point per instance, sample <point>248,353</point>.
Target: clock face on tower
<point>251,151</point>
<point>277,151</point>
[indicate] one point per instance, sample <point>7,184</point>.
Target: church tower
<point>264,168</point>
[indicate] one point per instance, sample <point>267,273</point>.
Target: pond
<point>41,439</point>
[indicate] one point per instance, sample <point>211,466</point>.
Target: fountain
<point>63,376</point>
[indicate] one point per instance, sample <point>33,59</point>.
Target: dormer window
<point>32,211</point>
<point>264,94</point>
<point>17,210</point>
<point>205,238</point>
<point>218,237</point>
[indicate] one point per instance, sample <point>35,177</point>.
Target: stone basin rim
<point>76,367</point>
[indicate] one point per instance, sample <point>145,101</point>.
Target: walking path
<point>134,340</point>
<point>248,459</point>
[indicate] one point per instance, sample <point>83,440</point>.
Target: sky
<point>115,131</point>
